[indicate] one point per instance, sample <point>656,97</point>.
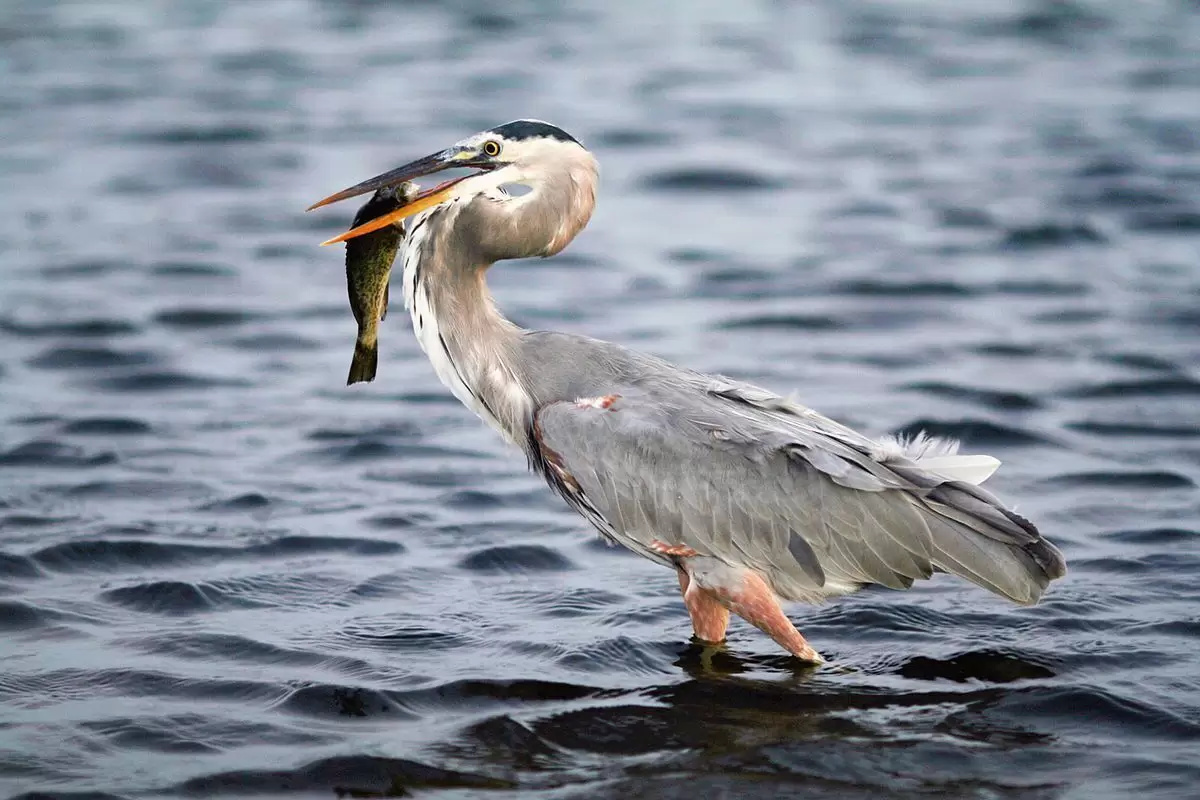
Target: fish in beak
<point>452,158</point>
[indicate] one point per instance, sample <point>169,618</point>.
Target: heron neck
<point>471,345</point>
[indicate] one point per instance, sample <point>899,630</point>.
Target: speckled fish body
<point>369,260</point>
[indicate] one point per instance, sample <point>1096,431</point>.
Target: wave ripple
<point>224,573</point>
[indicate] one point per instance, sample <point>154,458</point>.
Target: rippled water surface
<point>224,573</point>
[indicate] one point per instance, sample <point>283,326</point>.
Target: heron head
<point>524,152</point>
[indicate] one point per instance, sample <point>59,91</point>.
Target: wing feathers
<point>805,558</point>
<point>753,480</point>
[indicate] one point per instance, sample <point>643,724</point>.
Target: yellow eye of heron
<point>491,149</point>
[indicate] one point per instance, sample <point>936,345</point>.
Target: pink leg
<point>709,616</point>
<point>711,590</point>
<point>755,602</point>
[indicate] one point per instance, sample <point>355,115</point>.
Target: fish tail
<point>365,362</point>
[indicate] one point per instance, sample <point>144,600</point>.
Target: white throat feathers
<point>472,358</point>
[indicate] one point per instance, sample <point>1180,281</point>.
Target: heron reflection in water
<point>750,497</point>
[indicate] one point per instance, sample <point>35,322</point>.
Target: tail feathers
<point>972,469</point>
<point>1048,557</point>
<point>936,455</point>
<point>364,363</point>
<point>1019,571</point>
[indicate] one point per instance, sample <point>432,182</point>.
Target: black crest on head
<point>532,128</point>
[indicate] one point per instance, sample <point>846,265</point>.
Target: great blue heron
<point>750,497</point>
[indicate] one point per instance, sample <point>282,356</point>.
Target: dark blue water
<point>223,573</point>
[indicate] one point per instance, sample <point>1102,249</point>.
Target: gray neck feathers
<point>475,351</point>
<point>471,345</point>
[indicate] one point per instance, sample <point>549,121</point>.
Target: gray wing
<point>756,481</point>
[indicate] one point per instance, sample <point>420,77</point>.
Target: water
<point>224,573</point>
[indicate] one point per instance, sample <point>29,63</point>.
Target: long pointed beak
<point>446,159</point>
<point>418,203</point>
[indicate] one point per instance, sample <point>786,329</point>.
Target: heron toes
<point>712,589</point>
